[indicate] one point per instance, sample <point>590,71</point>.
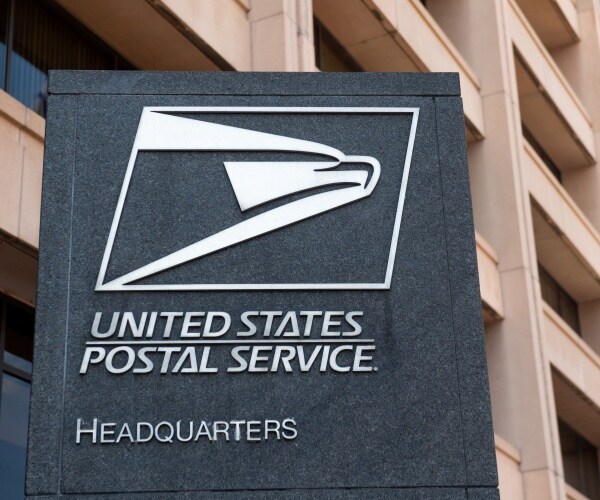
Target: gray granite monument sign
<point>258,286</point>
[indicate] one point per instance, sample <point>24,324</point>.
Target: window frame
<point>118,61</point>
<point>561,294</point>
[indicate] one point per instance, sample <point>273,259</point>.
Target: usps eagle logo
<point>331,181</point>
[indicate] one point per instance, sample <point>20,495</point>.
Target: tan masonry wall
<point>534,62</point>
<point>509,474</point>
<point>21,155</point>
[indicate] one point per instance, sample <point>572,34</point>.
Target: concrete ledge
<point>401,36</point>
<point>171,47</point>
<point>204,22</point>
<point>549,106</point>
<point>21,141</point>
<point>555,21</point>
<point>577,380</point>
<point>21,116</point>
<point>489,281</point>
<point>571,355</point>
<point>199,83</point>
<point>573,494</point>
<point>436,52</point>
<point>503,446</point>
<point>509,473</point>
<point>567,244</point>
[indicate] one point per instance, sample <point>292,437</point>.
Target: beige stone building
<point>530,77</point>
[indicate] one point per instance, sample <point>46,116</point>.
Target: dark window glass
<point>19,333</point>
<point>329,53</point>
<point>559,300</point>
<point>550,290</point>
<point>541,153</point>
<point>14,413</point>
<point>39,37</point>
<point>569,312</point>
<point>580,462</point>
<point>16,353</point>
<point>3,39</point>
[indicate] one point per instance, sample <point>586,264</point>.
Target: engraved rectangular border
<point>101,287</point>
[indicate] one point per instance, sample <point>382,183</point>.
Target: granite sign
<point>258,285</point>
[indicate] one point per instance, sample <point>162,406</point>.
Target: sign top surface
<point>250,83</point>
<point>258,282</point>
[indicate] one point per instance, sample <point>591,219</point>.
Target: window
<point>35,37</point>
<point>541,153</point>
<point>16,350</point>
<point>559,300</point>
<point>580,462</point>
<point>329,53</point>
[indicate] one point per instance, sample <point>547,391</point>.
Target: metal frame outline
<point>101,287</point>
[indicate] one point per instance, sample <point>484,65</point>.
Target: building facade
<point>530,74</point>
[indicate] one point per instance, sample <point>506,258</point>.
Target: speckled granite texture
<point>417,428</point>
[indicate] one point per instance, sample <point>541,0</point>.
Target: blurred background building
<point>530,77</point>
